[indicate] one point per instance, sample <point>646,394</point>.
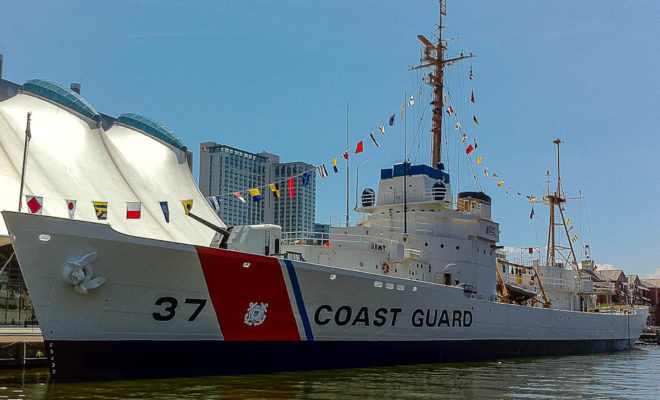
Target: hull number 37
<point>169,307</point>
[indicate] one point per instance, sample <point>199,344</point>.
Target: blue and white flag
<point>211,201</point>
<point>166,210</point>
<point>305,178</point>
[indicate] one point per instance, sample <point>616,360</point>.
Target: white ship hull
<point>168,309</point>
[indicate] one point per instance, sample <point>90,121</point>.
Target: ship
<point>419,278</point>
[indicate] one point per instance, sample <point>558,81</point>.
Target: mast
<point>555,200</point>
<point>434,57</point>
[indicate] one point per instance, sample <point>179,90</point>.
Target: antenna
<point>347,169</point>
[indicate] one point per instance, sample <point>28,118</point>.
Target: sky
<point>278,76</point>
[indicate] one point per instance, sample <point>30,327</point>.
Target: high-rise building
<point>297,213</point>
<point>224,170</point>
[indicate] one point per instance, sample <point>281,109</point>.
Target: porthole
<point>426,245</point>
<point>442,246</point>
<point>457,247</point>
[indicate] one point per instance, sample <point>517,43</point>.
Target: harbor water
<point>625,375</point>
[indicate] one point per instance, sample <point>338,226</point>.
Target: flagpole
<point>405,163</point>
<point>357,185</point>
<point>347,169</point>
<point>28,135</point>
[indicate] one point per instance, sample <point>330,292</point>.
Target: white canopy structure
<point>72,157</point>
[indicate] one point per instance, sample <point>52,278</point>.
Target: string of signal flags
<point>257,193</point>
<point>133,209</point>
<point>35,205</point>
<point>471,146</point>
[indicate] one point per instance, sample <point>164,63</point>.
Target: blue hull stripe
<point>299,300</point>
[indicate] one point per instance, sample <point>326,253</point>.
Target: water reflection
<point>621,375</point>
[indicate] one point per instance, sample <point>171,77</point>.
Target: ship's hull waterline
<point>167,309</point>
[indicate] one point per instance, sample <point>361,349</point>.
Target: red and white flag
<point>133,210</point>
<point>71,206</point>
<point>239,196</point>
<point>35,204</point>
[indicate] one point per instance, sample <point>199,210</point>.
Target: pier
<point>650,336</point>
<point>21,347</point>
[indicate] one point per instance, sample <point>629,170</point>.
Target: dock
<point>22,347</point>
<point>650,336</point>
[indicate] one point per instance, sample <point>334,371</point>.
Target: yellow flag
<point>531,199</point>
<point>500,183</point>
<point>479,160</point>
<point>187,206</point>
<point>568,220</point>
<point>256,194</point>
<point>101,209</point>
<point>275,190</point>
<point>575,238</point>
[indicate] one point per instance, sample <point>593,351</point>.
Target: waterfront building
<point>295,213</point>
<point>128,159</point>
<point>618,277</point>
<point>224,170</point>
<point>654,300</point>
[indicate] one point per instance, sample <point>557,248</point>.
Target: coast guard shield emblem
<point>256,314</point>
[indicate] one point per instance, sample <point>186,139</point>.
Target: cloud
<point>602,267</point>
<point>509,249</point>
<point>519,250</point>
<point>654,275</point>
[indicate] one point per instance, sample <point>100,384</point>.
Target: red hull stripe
<point>237,280</point>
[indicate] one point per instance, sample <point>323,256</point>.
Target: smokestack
<point>0,66</point>
<point>75,87</point>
